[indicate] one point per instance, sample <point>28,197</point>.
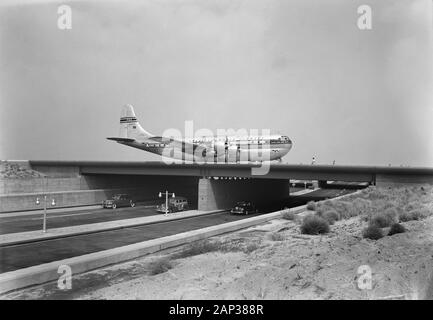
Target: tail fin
<point>129,126</point>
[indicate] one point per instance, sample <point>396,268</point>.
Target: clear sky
<point>301,67</point>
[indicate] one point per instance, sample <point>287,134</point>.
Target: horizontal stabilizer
<point>122,139</point>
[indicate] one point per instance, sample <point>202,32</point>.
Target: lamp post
<point>38,202</point>
<point>45,198</point>
<point>166,199</point>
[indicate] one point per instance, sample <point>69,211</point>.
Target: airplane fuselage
<point>218,149</point>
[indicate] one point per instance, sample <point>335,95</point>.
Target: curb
<point>39,274</point>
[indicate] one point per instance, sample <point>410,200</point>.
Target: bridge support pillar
<point>223,194</point>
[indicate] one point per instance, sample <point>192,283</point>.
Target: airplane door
<point>226,151</point>
<point>215,151</point>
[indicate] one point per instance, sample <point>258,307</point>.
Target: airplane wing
<point>122,139</point>
<point>188,147</point>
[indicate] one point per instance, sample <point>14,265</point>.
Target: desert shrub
<point>372,232</point>
<point>324,205</point>
<point>331,216</point>
<point>420,213</point>
<point>314,224</point>
<point>275,236</point>
<point>160,266</point>
<point>409,216</point>
<point>251,247</point>
<point>380,220</point>
<point>289,215</point>
<point>311,205</point>
<point>396,228</point>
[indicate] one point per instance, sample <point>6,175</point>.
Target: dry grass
<point>311,205</point>
<point>404,204</point>
<point>330,215</point>
<point>205,246</point>
<point>197,248</point>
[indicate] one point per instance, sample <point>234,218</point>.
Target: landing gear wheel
<point>114,206</point>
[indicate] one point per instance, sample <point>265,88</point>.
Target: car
<point>118,200</point>
<point>175,204</point>
<point>243,207</point>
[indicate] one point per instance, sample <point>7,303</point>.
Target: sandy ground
<point>300,267</point>
<point>297,267</point>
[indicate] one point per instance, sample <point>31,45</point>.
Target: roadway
<point>315,195</point>
<point>74,218</point>
<point>25,255</point>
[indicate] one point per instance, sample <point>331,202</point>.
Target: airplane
<point>220,149</point>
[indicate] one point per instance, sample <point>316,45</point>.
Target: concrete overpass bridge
<point>89,182</point>
<point>372,174</point>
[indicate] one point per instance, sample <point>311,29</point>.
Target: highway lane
<point>21,256</point>
<point>75,218</point>
<point>24,255</point>
<point>316,195</point>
